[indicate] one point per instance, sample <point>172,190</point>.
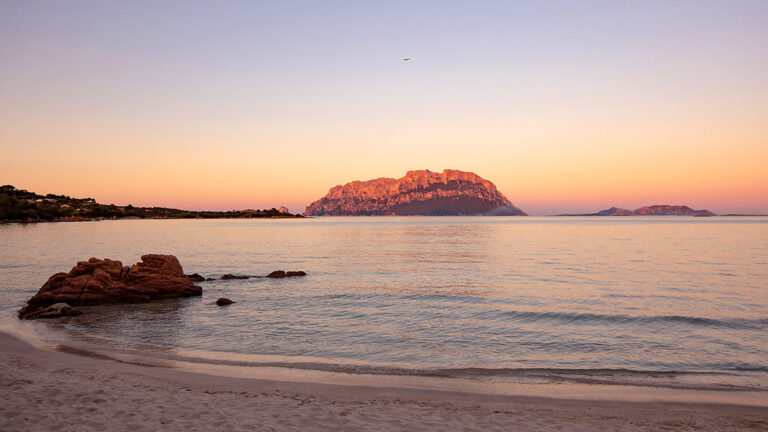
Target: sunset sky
<point>566,106</point>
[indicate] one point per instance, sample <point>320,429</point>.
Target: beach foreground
<point>51,390</point>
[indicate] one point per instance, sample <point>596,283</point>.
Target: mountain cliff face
<point>423,192</point>
<point>655,210</point>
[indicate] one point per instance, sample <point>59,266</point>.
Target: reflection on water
<point>494,296</point>
<point>159,323</point>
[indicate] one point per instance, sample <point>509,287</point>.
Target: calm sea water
<point>654,301</point>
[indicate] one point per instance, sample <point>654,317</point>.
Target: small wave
<point>750,368</point>
<point>574,317</point>
<point>667,379</point>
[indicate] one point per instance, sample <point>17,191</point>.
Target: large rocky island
<point>422,192</point>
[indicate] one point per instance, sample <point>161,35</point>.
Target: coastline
<point>53,390</point>
<point>99,219</point>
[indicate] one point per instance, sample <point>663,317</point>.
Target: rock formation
<point>422,192</point>
<point>196,277</point>
<point>223,301</point>
<point>282,274</point>
<point>655,210</point>
<point>231,276</point>
<point>101,281</point>
<point>614,211</point>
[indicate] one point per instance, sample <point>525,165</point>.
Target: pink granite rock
<point>102,281</point>
<point>423,192</point>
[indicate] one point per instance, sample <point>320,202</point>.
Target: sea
<point>664,307</point>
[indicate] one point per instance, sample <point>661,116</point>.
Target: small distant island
<point>418,193</point>
<point>654,210</point>
<point>19,205</point>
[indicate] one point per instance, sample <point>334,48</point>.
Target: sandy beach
<point>49,390</point>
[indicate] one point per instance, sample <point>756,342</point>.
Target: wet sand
<point>51,390</point>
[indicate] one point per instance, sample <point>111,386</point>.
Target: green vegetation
<point>18,205</point>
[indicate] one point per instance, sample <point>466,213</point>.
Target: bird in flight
<point>407,59</point>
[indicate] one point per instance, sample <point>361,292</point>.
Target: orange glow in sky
<point>567,109</point>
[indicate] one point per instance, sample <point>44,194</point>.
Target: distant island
<point>421,192</point>
<point>654,210</point>
<point>19,205</point>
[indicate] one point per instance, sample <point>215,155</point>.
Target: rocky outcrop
<point>614,211</point>
<point>424,192</point>
<point>655,210</point>
<point>102,281</point>
<point>282,274</point>
<point>274,274</point>
<point>231,276</point>
<point>196,277</point>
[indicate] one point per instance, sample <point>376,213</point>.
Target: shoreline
<point>600,384</point>
<point>583,384</point>
<point>72,392</point>
<point>100,219</point>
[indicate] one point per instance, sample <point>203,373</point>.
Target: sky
<point>567,106</point>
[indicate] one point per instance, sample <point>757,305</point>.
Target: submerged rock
<point>103,281</point>
<point>53,311</point>
<point>224,301</point>
<point>231,276</point>
<point>295,273</point>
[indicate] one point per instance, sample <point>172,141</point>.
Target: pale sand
<point>44,390</point>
